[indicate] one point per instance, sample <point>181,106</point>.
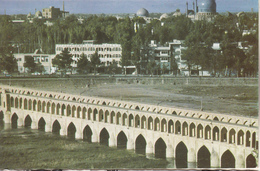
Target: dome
<point>142,13</point>
<point>38,14</point>
<point>29,15</point>
<point>164,16</point>
<point>207,6</point>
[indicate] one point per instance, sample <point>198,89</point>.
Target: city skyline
<point>119,6</point>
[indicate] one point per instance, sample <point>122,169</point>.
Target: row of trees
<point>199,37</point>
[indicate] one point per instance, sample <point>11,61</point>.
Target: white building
<point>107,52</point>
<point>44,59</point>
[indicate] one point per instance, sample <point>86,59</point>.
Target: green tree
<point>39,68</point>
<point>29,64</point>
<point>95,61</point>
<point>8,63</point>
<point>63,61</point>
<point>83,64</point>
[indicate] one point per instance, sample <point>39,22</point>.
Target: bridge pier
<point>63,132</point>
<point>192,159</point>
<point>94,138</point>
<point>149,151</point>
<point>130,145</point>
<point>214,160</point>
<point>20,122</point>
<point>79,135</point>
<point>34,125</point>
<point>7,120</point>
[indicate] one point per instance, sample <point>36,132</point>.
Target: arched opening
<point>34,105</point>
<point>95,113</point>
<point>137,121</point>
<point>53,108</point>
<point>248,136</point>
<point>216,119</point>
<point>200,131</point>
<point>254,140</point>
<point>163,126</point>
<point>78,112</point>
<point>250,161</point>
<point>185,129</point>
<point>203,158</point>
<point>150,123</point>
<point>106,116</point>
<point>41,124</point>
<point>124,119</point>
<point>227,160</point>
<point>178,127</point>
<point>56,127</point>
<point>27,122</point>
<point>215,134</point>
<point>118,118</point>
<point>137,108</point>
<point>12,102</point>
<point>121,140</point>
<point>192,130</point>
<point>84,111</point>
<point>25,104</point>
<point>1,115</point>
<point>143,122</point>
<point>207,132</point>
<point>160,149</point>
<point>131,120</point>
<point>14,120</point>
<point>68,110</point>
<point>223,135</point>
<point>240,138</point>
<point>21,103</point>
<point>181,156</point>
<point>30,105</point>
<point>73,111</point>
<point>101,116</point>
<point>157,124</point>
<point>71,131</point>
<point>48,107</point>
<point>140,145</point>
<point>104,137</point>
<point>112,117</point>
<point>63,110</point>
<point>87,134</point>
<point>39,106</point>
<point>43,106</point>
<point>16,103</point>
<point>170,127</point>
<point>232,136</point>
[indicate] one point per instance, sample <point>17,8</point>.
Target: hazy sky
<point>118,6</point>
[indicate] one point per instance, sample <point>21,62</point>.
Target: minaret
<point>196,10</point>
<point>63,8</point>
<point>193,6</point>
<point>187,9</point>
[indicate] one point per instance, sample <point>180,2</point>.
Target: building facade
<point>44,59</point>
<point>107,52</point>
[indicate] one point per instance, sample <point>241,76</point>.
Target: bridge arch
<point>140,145</point>
<point>121,140</point>
<point>71,130</point>
<point>41,124</point>
<point>160,148</point>
<point>87,134</point>
<point>228,160</point>
<point>181,154</point>
<point>28,121</point>
<point>104,137</point>
<point>251,161</point>
<point>203,158</point>
<point>56,127</point>
<point>14,120</point>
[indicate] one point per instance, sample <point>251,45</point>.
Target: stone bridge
<point>186,138</point>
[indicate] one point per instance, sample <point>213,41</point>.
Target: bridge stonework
<point>200,139</point>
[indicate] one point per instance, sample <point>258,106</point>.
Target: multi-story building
<point>44,59</point>
<point>53,13</point>
<point>107,52</point>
